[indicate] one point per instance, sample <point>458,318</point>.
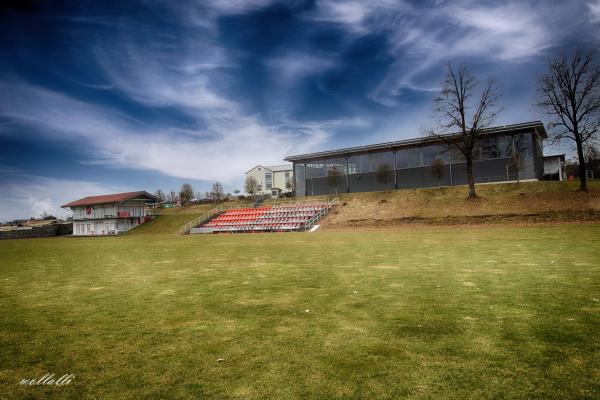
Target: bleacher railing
<point>311,222</point>
<point>199,220</point>
<point>224,208</point>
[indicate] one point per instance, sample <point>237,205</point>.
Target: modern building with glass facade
<point>501,154</point>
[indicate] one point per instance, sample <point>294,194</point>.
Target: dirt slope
<point>501,203</point>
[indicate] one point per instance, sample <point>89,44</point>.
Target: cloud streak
<point>26,195</point>
<point>112,138</point>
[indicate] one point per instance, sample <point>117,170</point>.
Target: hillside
<point>171,219</point>
<point>498,203</point>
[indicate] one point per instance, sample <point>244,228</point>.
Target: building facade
<point>111,214</point>
<point>272,179</point>
<point>505,153</point>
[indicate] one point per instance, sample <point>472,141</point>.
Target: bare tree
<point>161,195</point>
<point>569,93</point>
<point>251,186</point>
<point>173,196</point>
<point>216,192</point>
<point>592,159</point>
<point>47,216</point>
<point>289,184</point>
<point>383,173</point>
<point>437,170</point>
<point>334,178</point>
<point>186,193</point>
<point>456,109</point>
<point>518,148</point>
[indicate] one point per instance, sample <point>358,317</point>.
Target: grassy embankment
<point>499,203</point>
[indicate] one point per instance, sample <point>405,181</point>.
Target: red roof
<point>110,198</point>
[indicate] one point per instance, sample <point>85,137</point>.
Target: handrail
<point>197,221</point>
<point>309,224</point>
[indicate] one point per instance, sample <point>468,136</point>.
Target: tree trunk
<point>582,172</point>
<point>471,179</point>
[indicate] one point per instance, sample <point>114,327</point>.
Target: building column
<point>395,170</point>
<point>450,164</point>
<point>347,179</point>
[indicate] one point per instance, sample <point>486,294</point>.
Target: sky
<point>110,96</point>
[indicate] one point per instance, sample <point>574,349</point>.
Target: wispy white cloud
<point>512,31</point>
<point>358,16</point>
<point>290,68</point>
<point>27,195</point>
<point>509,32</point>
<point>594,7</point>
<point>112,138</point>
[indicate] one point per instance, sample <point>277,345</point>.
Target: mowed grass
<point>423,313</point>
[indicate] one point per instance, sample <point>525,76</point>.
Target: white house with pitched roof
<point>111,214</point>
<point>272,179</point>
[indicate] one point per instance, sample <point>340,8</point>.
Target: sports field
<point>418,313</point>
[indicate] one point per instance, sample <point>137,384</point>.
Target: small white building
<point>111,214</point>
<point>272,179</point>
<point>554,167</point>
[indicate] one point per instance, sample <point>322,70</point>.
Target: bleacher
<point>275,218</point>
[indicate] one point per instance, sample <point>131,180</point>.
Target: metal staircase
<point>311,222</point>
<point>185,229</point>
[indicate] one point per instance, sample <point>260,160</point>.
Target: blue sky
<point>100,97</point>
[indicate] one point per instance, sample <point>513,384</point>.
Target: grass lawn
<point>423,313</point>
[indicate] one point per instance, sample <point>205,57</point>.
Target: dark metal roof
<point>111,198</point>
<point>536,125</point>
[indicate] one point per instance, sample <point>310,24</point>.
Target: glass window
<point>456,155</point>
<point>363,163</point>
<point>489,148</point>
<point>353,165</point>
<point>434,152</point>
<point>524,145</point>
<point>401,159</point>
<point>414,157</point>
<point>336,164</point>
<point>268,180</point>
<point>505,146</point>
<point>378,159</point>
<point>316,169</point>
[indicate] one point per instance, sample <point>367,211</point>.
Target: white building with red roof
<point>111,214</point>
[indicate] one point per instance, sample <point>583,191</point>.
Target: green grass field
<point>423,313</point>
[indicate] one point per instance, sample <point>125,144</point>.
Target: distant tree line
<point>186,195</point>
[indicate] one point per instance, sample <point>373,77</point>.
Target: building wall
<point>552,165</point>
<point>106,226</point>
<point>135,208</point>
<point>497,158</point>
<point>278,178</point>
<point>553,168</point>
<point>102,216</point>
<point>258,173</point>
